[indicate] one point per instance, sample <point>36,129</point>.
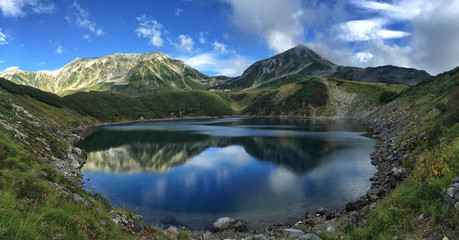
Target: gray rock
<point>206,235</point>
<point>33,171</point>
<point>43,173</point>
<point>291,232</point>
<point>116,220</point>
<point>456,179</point>
<point>55,159</point>
<point>452,190</point>
<point>456,196</point>
<point>330,228</point>
<point>355,204</point>
<point>226,223</point>
<point>421,216</point>
<point>309,236</point>
<point>321,211</point>
<point>75,164</point>
<point>80,199</point>
<point>456,206</point>
<point>138,226</point>
<point>256,237</point>
<point>77,151</point>
<point>71,157</point>
<point>448,199</point>
<point>172,232</point>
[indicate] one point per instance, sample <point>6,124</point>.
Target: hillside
<point>127,74</point>
<point>299,62</point>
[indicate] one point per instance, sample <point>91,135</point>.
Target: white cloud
<point>3,38</point>
<point>151,29</point>
<point>220,47</point>
<point>87,37</point>
<point>178,12</point>
<point>82,20</point>
<point>11,69</point>
<point>202,38</point>
<point>277,22</point>
<point>59,49</point>
<point>186,43</point>
<point>2,61</point>
<point>20,8</point>
<point>368,29</point>
<point>363,57</point>
<point>227,63</point>
<point>433,42</point>
<point>422,34</point>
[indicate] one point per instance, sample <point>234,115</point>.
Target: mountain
<point>127,74</point>
<point>299,62</point>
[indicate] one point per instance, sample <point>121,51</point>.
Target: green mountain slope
<point>127,74</point>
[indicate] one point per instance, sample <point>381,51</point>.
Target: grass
<point>110,107</point>
<point>433,161</point>
<point>291,99</point>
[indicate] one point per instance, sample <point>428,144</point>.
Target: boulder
<point>226,223</point>
<point>80,199</point>
<point>77,151</point>
<point>138,226</point>
<point>393,181</point>
<point>452,190</point>
<point>172,232</point>
<point>321,211</point>
<point>355,204</point>
<point>291,232</point>
<point>43,173</point>
<point>75,164</point>
<point>309,236</point>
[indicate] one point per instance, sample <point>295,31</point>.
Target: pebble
<point>421,216</point>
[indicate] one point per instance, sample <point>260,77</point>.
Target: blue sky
<point>226,36</point>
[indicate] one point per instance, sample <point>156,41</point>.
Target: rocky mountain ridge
<point>128,74</point>
<point>134,75</point>
<point>299,62</point>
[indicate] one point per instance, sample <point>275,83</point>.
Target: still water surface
<point>262,170</point>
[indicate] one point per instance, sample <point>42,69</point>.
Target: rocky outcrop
<point>451,198</point>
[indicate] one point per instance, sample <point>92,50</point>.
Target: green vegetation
<point>41,96</point>
<point>31,206</point>
<point>293,99</point>
<point>110,107</point>
<point>433,162</point>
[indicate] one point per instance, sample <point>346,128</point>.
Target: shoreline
<point>312,222</point>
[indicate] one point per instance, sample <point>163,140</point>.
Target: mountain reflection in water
<point>199,170</point>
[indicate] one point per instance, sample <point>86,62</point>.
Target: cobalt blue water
<point>262,170</point>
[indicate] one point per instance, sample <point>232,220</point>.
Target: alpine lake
<point>261,170</point>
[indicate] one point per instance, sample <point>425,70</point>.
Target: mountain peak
<point>304,52</point>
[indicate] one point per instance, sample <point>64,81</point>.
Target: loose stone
<point>290,232</point>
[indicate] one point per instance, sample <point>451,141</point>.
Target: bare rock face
<point>226,223</point>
